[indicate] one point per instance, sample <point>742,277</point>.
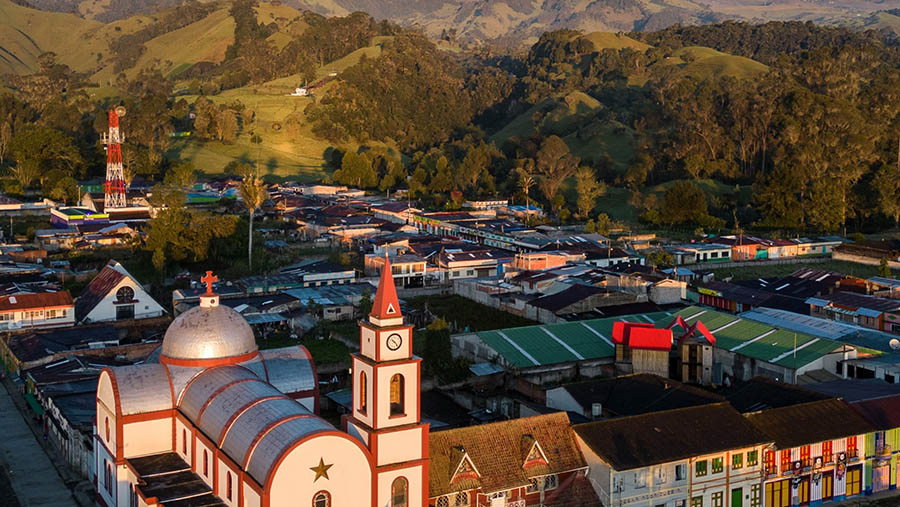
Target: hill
<point>518,21</point>
<point>703,62</point>
<point>608,40</point>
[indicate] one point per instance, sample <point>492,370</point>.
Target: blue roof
<point>483,369</point>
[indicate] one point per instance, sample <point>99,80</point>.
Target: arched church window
<point>322,499</point>
<point>363,401</point>
<point>184,441</point>
<point>462,499</point>
<point>106,423</point>
<point>125,295</point>
<point>205,463</point>
<point>399,492</point>
<point>397,394</point>
<point>228,485</point>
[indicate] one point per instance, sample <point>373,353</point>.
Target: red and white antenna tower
<point>114,188</point>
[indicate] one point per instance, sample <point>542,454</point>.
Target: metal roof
<point>202,388</point>
<point>760,341</point>
<point>524,347</point>
<point>208,333</point>
<point>248,425</point>
<point>143,388</point>
<point>289,369</point>
<point>278,440</point>
<point>222,407</point>
<point>823,328</point>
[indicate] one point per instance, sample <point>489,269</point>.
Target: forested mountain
<point>514,21</point>
<point>789,126</point>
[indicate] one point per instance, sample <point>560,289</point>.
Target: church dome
<point>208,332</point>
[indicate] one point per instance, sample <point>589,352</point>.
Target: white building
<point>216,421</point>
<point>41,310</point>
<point>115,295</point>
<point>707,455</point>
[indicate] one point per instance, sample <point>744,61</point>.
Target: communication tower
<point>114,188</point>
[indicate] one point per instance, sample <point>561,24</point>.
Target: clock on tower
<point>386,413</point>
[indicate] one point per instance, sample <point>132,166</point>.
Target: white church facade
<point>211,420</point>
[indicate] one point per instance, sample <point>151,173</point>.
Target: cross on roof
<point>209,280</point>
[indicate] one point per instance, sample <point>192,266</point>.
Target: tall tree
<point>254,193</point>
<point>356,170</point>
<point>887,189</point>
<point>588,190</point>
<point>555,164</point>
<point>38,150</point>
<point>526,181</point>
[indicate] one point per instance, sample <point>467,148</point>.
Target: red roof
<point>638,335</point>
<point>621,330</point>
<point>386,304</point>
<point>40,300</point>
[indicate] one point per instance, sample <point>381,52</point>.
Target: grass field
<point>708,62</point>
<point>777,270</point>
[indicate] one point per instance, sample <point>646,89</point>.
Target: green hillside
<point>609,40</point>
<point>703,62</point>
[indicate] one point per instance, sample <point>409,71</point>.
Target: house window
<point>752,458</point>
<point>827,453</point>
<point>125,312</point>
<point>851,447</point>
<point>680,472</point>
<point>399,492</point>
<point>322,499</point>
<point>737,461</point>
<point>700,469</point>
<point>228,486</point>
<point>362,392</point>
<point>397,395</point>
<point>125,295</point>
<point>785,461</point>
<point>533,487</point>
<point>660,475</point>
<point>551,482</point>
<point>697,501</point>
<point>718,499</point>
<point>755,497</point>
<point>462,498</point>
<point>770,462</point>
<point>804,456</point>
<point>443,502</point>
<point>717,465</point>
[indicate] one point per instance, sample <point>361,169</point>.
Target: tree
<point>884,269</point>
<point>179,234</point>
<point>65,190</point>
<point>588,189</point>
<point>684,203</point>
<point>38,150</point>
<point>5,139</point>
<point>555,164</point>
<point>356,170</point>
<point>182,175</point>
<point>660,258</point>
<point>254,193</point>
<point>887,189</point>
<point>526,181</point>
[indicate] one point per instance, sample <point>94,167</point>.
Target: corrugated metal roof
<point>143,388</point>
<point>227,402</point>
<point>205,385</point>
<point>247,426</point>
<point>276,441</point>
<point>289,369</point>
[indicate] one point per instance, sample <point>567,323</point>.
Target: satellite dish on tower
<point>894,343</point>
<point>120,111</point>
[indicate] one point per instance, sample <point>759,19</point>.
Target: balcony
<point>882,451</point>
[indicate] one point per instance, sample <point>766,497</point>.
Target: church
<point>211,420</point>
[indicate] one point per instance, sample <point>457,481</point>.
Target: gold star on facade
<point>321,470</point>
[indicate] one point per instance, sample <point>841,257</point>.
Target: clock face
<point>394,341</point>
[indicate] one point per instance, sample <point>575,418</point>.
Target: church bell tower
<point>386,413</point>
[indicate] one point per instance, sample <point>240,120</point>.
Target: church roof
<point>496,451</point>
<point>107,279</point>
<point>386,305</point>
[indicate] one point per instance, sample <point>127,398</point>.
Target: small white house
<point>115,295</point>
<point>41,310</point>
<point>300,92</point>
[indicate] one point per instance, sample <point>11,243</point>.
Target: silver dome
<point>208,332</point>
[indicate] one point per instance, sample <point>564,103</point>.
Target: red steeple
<point>386,304</point>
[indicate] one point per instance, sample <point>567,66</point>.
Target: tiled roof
<point>808,423</point>
<point>638,441</point>
<point>496,451</point>
<point>99,287</point>
<point>883,413</point>
<point>638,394</point>
<point>30,301</point>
